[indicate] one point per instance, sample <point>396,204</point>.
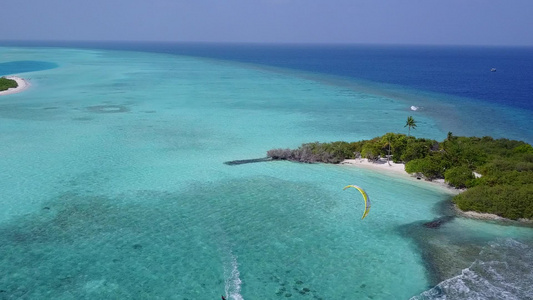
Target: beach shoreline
<point>491,217</point>
<point>398,169</point>
<point>21,82</point>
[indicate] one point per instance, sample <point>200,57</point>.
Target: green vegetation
<point>7,83</point>
<point>504,186</point>
<point>509,201</point>
<point>402,148</point>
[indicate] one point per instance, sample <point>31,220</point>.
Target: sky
<point>429,22</point>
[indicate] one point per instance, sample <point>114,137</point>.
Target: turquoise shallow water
<point>114,186</point>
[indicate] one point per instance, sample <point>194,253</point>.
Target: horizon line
<point>383,44</point>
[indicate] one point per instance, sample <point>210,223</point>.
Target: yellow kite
<point>365,196</point>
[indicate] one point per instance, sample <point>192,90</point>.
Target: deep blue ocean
<point>113,183</point>
<point>463,71</point>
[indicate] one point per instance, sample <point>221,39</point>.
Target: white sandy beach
<point>22,85</point>
<point>392,168</point>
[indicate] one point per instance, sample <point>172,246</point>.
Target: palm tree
<point>411,123</point>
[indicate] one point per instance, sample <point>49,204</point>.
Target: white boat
<point>414,108</point>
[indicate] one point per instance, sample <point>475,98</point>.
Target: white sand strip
<point>487,216</point>
<point>381,165</point>
<point>477,215</point>
<point>392,168</point>
<point>22,85</point>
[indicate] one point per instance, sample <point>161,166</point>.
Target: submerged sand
<point>22,85</point>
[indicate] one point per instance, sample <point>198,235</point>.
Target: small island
<point>12,85</point>
<point>6,84</point>
<point>495,174</point>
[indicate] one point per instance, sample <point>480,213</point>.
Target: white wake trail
<point>232,278</point>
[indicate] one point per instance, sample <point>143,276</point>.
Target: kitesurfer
<point>223,298</point>
<point>365,197</point>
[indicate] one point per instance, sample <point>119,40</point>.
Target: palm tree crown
<point>411,123</point>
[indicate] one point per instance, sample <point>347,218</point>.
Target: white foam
<point>233,280</point>
<point>502,271</point>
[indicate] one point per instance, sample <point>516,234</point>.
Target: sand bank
<point>22,85</point>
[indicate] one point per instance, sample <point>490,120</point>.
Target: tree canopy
<point>7,83</point>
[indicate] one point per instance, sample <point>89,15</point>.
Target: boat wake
<point>233,282</point>
<point>502,271</point>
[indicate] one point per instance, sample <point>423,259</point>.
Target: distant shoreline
<point>22,85</point>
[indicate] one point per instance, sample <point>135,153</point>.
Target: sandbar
<point>22,85</point>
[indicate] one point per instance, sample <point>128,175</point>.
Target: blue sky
<point>456,22</point>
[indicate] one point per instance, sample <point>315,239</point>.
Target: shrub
<point>430,167</point>
<point>459,177</point>
<point>524,148</point>
<point>416,150</point>
<point>282,154</point>
<point>508,201</point>
<point>371,150</point>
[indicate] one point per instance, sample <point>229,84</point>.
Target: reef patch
<point>108,109</point>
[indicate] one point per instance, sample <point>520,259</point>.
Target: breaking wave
<point>503,270</point>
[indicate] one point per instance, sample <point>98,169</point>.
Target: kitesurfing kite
<point>365,196</point>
